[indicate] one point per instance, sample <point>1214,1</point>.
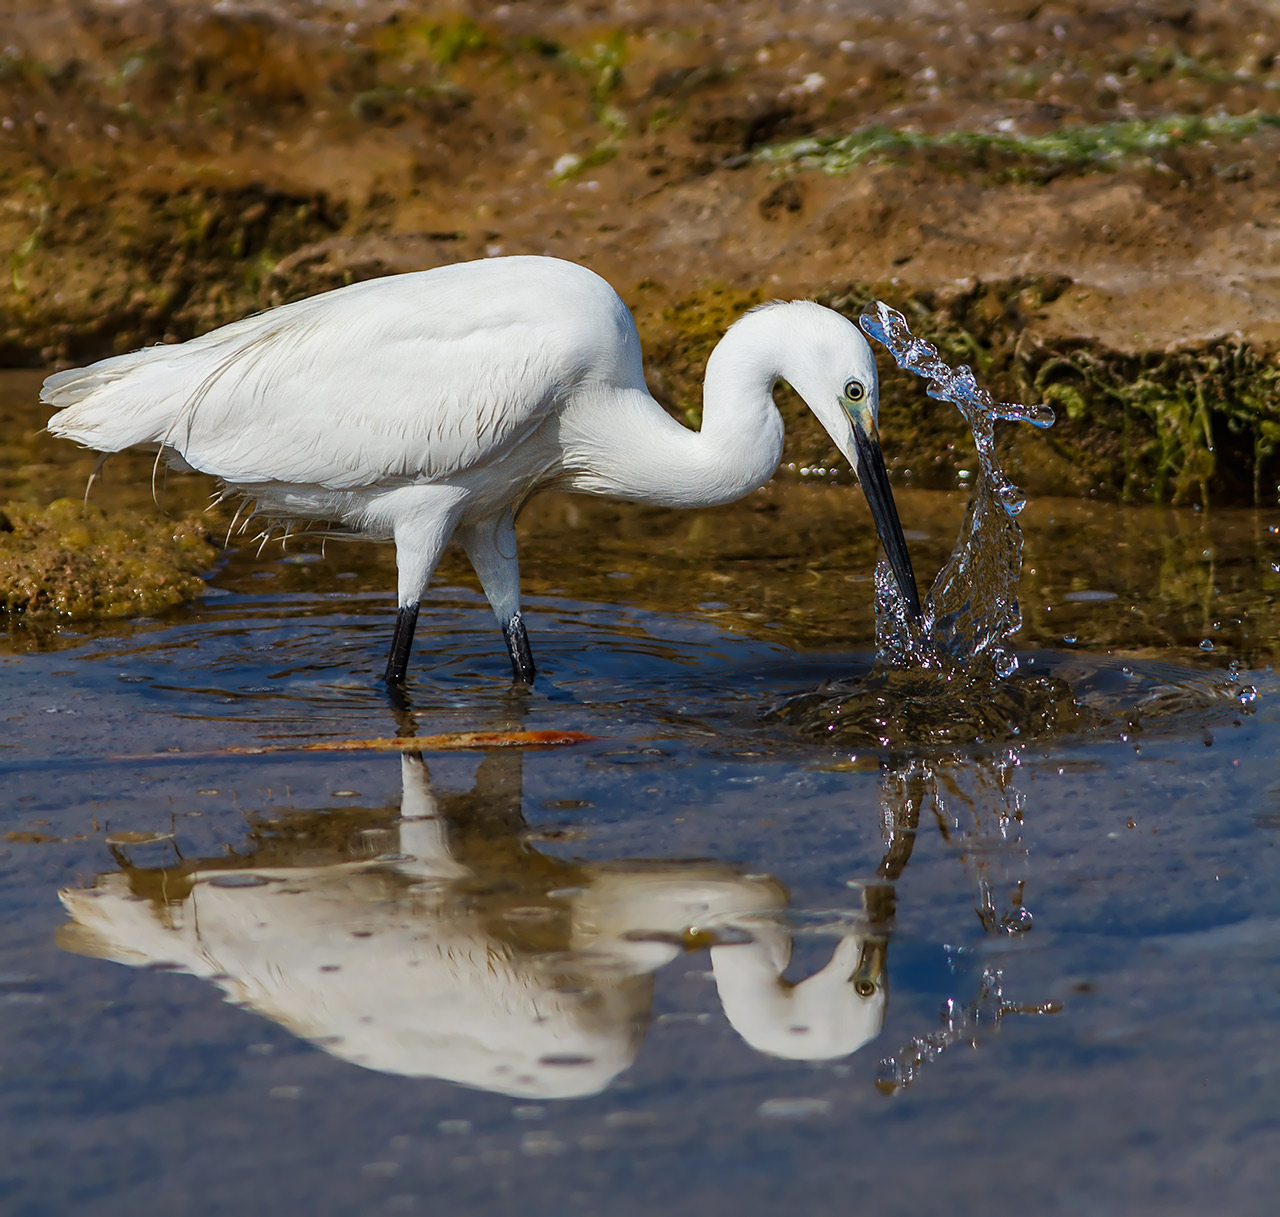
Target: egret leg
<point>422,519</point>
<point>491,546</point>
<point>518,648</point>
<point>401,643</point>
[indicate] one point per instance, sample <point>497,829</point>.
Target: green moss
<point>1081,146</point>
<point>572,166</point>
<point>1152,63</point>
<point>80,563</point>
<point>438,40</point>
<point>1200,424</point>
<point>679,339</point>
<point>601,62</point>
<point>1174,414</point>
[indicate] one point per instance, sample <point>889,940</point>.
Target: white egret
<point>428,406</point>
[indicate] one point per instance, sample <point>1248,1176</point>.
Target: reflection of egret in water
<point>446,946</point>
<point>978,810</point>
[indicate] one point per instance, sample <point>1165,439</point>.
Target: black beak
<point>875,485</point>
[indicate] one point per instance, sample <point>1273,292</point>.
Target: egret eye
<point>855,390</point>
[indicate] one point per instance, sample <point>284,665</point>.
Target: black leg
<point>517,637</point>
<point>401,642</point>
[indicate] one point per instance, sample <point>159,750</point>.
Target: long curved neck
<point>742,431</point>
<point>646,456</point>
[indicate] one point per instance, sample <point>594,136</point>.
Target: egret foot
<point>401,643</point>
<point>522,669</point>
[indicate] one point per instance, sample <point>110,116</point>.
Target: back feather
<point>411,378</point>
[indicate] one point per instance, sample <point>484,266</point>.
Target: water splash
<point>947,678</point>
<point>971,611</point>
<point>953,678</point>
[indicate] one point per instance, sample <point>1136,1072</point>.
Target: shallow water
<point>547,978</point>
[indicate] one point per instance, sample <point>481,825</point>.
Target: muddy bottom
<point>695,963</point>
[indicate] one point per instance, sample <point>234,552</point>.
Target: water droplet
<point>1019,921</point>
<point>1206,645</point>
<point>1070,639</point>
<point>1246,695</point>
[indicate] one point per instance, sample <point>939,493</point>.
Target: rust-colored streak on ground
<point>453,741</point>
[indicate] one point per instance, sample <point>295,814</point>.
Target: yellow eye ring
<point>855,390</point>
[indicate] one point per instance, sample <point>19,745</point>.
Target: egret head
<point>831,366</point>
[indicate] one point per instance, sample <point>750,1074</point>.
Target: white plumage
<point>429,406</point>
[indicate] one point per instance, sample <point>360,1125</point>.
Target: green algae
<point>1079,146</point>
<point>177,258</point>
<point>1174,415</point>
<point>80,562</point>
<point>1152,63</point>
<point>441,41</point>
<point>1199,424</point>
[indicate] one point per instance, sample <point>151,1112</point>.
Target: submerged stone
<point>81,562</point>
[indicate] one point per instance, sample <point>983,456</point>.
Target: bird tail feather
<point>111,405</point>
